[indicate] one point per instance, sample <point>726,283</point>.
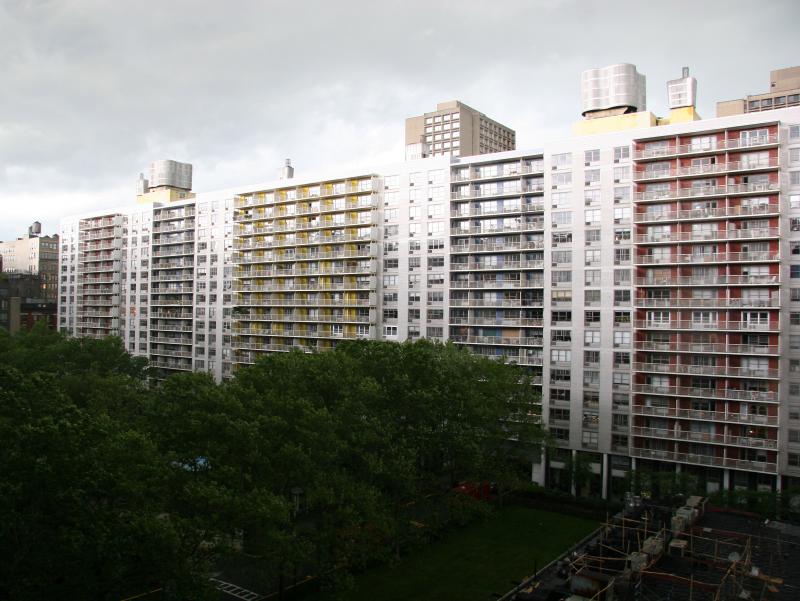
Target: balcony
<point>510,191</point>
<point>706,416</point>
<point>708,347</point>
<point>723,257</point>
<point>498,340</point>
<point>497,247</point>
<point>531,226</point>
<point>705,148</point>
<point>505,265</point>
<point>701,170</point>
<point>514,303</point>
<point>521,322</point>
<point>710,303</point>
<point>504,210</point>
<point>509,171</point>
<point>704,437</point>
<point>304,302</point>
<point>725,394</point>
<point>706,191</point>
<point>707,213</point>
<point>717,326</point>
<point>706,370</point>
<point>710,280</point>
<point>708,235</point>
<point>710,460</point>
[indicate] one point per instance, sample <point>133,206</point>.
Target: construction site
<point>692,552</point>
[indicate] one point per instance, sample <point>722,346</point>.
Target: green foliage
<point>110,486</point>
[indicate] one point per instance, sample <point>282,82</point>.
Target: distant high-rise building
<point>455,129</point>
<point>784,91</point>
<point>33,254</point>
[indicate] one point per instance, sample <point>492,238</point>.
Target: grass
<point>476,561</point>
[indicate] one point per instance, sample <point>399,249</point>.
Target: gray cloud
<point>94,90</point>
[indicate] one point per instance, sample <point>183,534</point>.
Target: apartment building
<point>641,270</point>
<point>784,91</point>
<point>455,129</point>
<point>33,254</point>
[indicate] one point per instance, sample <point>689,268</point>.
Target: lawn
<point>476,561</point>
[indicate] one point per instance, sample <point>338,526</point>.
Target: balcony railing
<point>709,235</point>
<point>710,213</point>
<point>716,326</point>
<point>497,247</point>
<point>707,169</point>
<point>731,144</point>
<point>729,257</point>
<point>704,437</point>
<point>716,416</point>
<point>713,303</point>
<point>706,370</point>
<point>706,191</point>
<point>500,340</point>
<point>730,394</point>
<point>710,280</point>
<point>505,265</point>
<point>739,464</point>
<point>498,284</point>
<point>706,347</point>
<point>504,210</point>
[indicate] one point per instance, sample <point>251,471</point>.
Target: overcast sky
<point>92,90</point>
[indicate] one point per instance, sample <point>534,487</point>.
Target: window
<point>589,439</point>
<point>622,339</point>
<point>622,153</point>
<point>562,200</point>
<point>592,277</point>
<point>591,297</point>
<point>390,263</point>
<point>591,156</point>
<point>591,338</point>
<point>561,161</point>
<point>592,216</point>
<point>592,257</point>
<point>389,281</point>
<point>562,256</point>
<point>562,217</point>
<point>622,174</point>
<point>562,355</point>
<point>561,276</point>
<point>591,176</point>
<point>390,330</point>
<point>590,197</point>
<point>591,318</point>
<point>622,214</point>
<point>622,256</point>
<point>413,263</point>
<point>563,178</point>
<point>622,194</point>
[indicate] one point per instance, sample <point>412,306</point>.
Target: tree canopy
<point>112,484</point>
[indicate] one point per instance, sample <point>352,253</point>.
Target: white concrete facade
<point>530,255</point>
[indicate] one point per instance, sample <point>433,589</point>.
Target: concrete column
<point>677,468</point>
<point>605,475</point>
<point>778,483</point>
<point>539,471</point>
<point>573,488</point>
<point>726,479</point>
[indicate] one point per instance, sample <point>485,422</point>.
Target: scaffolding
<point>656,553</point>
